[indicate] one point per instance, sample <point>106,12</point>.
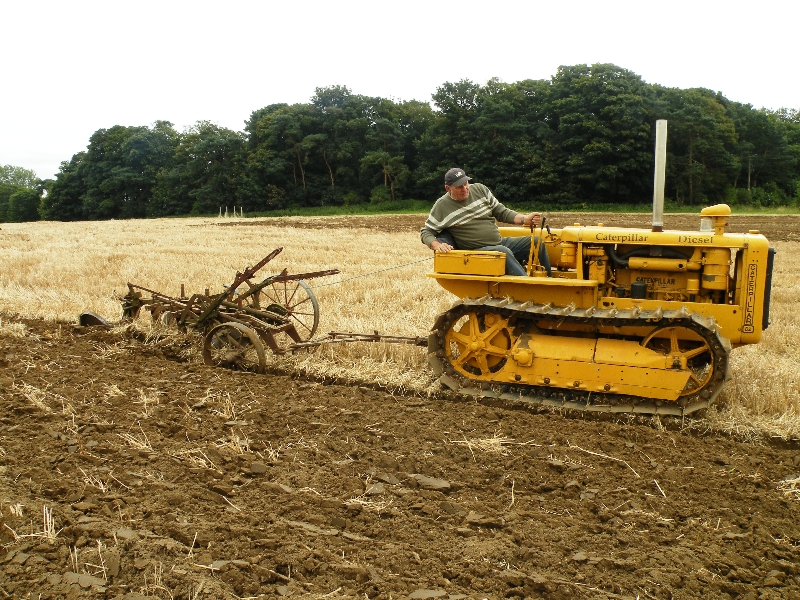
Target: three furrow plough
<point>245,320</point>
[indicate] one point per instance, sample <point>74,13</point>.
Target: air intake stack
<point>660,175</point>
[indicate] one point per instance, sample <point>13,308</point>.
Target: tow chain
<point>340,337</point>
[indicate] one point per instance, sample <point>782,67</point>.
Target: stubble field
<point>128,468</point>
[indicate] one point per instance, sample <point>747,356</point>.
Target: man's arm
<point>428,237</point>
<point>506,215</point>
<point>430,230</point>
<point>530,219</point>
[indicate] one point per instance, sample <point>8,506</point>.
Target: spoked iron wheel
<point>296,301</point>
<point>234,346</point>
<point>478,344</point>
<point>688,351</point>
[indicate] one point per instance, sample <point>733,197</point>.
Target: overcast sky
<point>73,67</point>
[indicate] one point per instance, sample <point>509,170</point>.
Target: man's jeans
<point>516,249</point>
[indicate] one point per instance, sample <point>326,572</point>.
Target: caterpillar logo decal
<point>750,300</point>
<point>620,238</point>
<point>656,281</point>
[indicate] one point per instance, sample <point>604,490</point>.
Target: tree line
<point>20,194</point>
<point>582,138</point>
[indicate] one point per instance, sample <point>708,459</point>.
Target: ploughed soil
<point>162,477</point>
<point>130,469</point>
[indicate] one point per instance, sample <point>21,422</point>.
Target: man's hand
<point>531,219</point>
<point>438,246</point>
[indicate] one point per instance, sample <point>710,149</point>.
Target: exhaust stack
<point>660,175</point>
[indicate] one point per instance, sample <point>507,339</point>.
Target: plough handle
<point>250,271</point>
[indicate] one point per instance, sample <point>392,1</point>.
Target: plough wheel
<point>234,346</point>
<point>298,300</point>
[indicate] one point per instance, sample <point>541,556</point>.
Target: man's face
<point>458,192</point>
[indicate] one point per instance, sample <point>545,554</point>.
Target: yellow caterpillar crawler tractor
<point>632,320</point>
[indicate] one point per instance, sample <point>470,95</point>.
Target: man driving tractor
<point>465,219</point>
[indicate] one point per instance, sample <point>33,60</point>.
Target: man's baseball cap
<point>456,177</point>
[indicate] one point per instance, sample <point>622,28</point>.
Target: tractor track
<point>579,399</point>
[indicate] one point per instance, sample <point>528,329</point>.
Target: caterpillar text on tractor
<point>633,320</point>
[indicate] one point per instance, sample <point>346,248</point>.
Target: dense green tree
<point>584,136</point>
<point>282,154</point>
<point>450,140</point>
<point>414,118</point>
<point>20,190</point>
<point>19,176</point>
<point>360,140</point>
<point>791,121</point>
<point>262,182</point>
<point>602,147</point>
<point>206,174</point>
<point>120,168</point>
<point>701,145</point>
<point>763,150</point>
<point>510,143</point>
<point>111,187</point>
<point>6,191</point>
<point>335,109</point>
<point>62,202</point>
<point>23,205</point>
<point>339,145</point>
<point>390,168</point>
<point>114,177</point>
<point>383,161</point>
